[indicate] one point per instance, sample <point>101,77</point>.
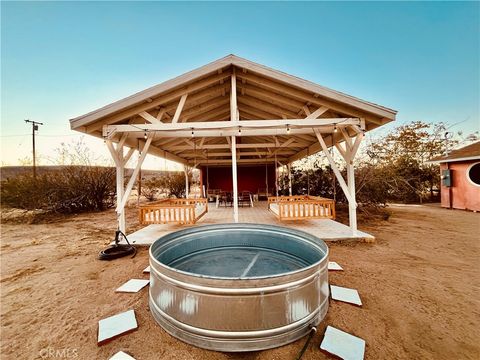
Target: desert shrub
<point>71,189</point>
<point>173,184</point>
<point>371,189</point>
<point>168,185</point>
<point>151,188</point>
<point>394,167</point>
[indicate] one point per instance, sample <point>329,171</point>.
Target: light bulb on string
<point>193,134</point>
<point>335,128</point>
<point>288,129</point>
<point>240,131</point>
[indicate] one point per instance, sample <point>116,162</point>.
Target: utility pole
<point>34,128</point>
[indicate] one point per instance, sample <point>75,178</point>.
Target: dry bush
<point>394,167</point>
<point>69,190</point>
<point>74,185</point>
<point>173,184</point>
<point>151,188</point>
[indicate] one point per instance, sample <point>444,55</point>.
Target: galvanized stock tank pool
<point>238,287</point>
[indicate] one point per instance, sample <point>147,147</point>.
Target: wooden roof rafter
<point>202,96</point>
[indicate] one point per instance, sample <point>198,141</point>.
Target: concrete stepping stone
<point>333,266</point>
<point>133,285</point>
<point>342,344</point>
<point>116,325</point>
<point>345,294</point>
<point>121,356</point>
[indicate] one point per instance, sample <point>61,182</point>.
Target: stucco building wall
<point>463,194</point>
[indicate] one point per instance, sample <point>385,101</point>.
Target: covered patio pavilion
<point>234,112</point>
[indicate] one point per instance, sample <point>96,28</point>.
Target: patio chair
<point>225,198</point>
<point>244,199</point>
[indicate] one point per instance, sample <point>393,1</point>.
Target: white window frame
<point>468,174</point>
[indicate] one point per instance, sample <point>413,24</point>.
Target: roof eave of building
<point>465,158</point>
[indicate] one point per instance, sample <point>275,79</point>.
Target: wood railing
<point>177,211</point>
<point>301,207</point>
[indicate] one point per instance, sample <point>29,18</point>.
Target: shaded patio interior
<point>325,229</point>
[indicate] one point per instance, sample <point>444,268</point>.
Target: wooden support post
<point>120,193</point>
<point>339,176</point>
<point>352,205</point>
<point>276,179</point>
<point>348,155</point>
<point>289,169</point>
<point>139,185</point>
<point>185,170</point>
<point>234,178</point>
<point>117,155</point>
<point>234,116</point>
<point>133,178</point>
<point>266,178</point>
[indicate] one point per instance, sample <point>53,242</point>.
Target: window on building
<point>473,174</point>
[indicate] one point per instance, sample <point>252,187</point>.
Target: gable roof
<point>469,152</point>
<point>263,94</point>
<point>220,64</point>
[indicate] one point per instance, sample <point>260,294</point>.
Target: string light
<point>288,129</point>
<point>240,130</point>
<point>335,128</point>
<point>193,134</point>
<point>145,135</point>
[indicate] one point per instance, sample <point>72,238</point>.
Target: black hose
<point>117,250</point>
<point>313,330</point>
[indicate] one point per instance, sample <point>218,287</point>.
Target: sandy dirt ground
<point>419,284</point>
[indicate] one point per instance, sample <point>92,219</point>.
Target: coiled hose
<point>117,250</point>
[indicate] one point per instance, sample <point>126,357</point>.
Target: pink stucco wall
<point>464,194</point>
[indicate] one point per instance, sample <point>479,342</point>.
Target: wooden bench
<point>301,207</point>
<point>173,211</point>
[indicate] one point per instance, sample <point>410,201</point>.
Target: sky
<point>60,60</point>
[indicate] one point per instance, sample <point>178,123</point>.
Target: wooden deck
<point>325,229</point>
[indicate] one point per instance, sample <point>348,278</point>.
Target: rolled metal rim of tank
<point>175,236</point>
<point>235,313</point>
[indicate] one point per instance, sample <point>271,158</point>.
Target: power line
<point>18,135</point>
<point>61,135</point>
<point>462,121</point>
